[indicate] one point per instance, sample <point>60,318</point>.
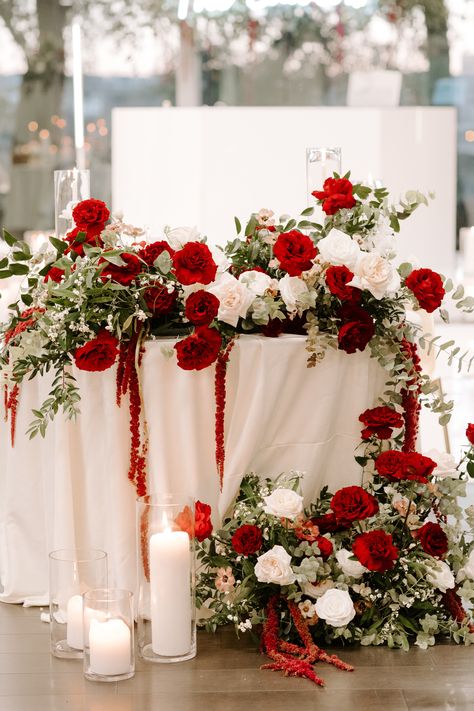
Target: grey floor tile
<point>453,699</point>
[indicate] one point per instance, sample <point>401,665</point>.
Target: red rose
<point>201,307</point>
<point>428,288</point>
<point>470,433</point>
<point>353,503</point>
<point>273,328</point>
<point>295,252</point>
<point>404,465</point>
<point>200,349</point>
<point>151,252</point>
<point>433,539</point>
<point>375,550</point>
<point>379,422</point>
<point>357,328</point>
<point>203,523</point>
<point>417,467</point>
<point>201,527</point>
<point>390,464</point>
<point>247,540</point>
<point>92,237</point>
<point>159,300</point>
<point>325,547</point>
<point>337,279</point>
<point>194,264</point>
<point>90,212</point>
<point>123,275</point>
<point>328,523</point>
<point>98,354</point>
<point>54,274</point>
<point>336,194</point>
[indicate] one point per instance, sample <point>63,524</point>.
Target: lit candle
<point>110,647</point>
<point>170,583</point>
<point>75,637</point>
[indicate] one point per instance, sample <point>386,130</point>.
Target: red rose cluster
<point>97,354</point>
<point>89,217</point>
<point>200,349</point>
<point>379,422</point>
<point>247,539</point>
<point>353,503</point>
<point>295,252</point>
<point>409,466</point>
<point>428,288</point>
<point>375,550</point>
<point>337,279</point>
<point>356,330</point>
<point>433,539</point>
<point>337,193</point>
<point>201,527</point>
<point>194,264</point>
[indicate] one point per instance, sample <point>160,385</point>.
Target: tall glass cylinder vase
<point>72,572</point>
<point>108,632</point>
<point>166,578</point>
<point>321,163</point>
<point>70,187</point>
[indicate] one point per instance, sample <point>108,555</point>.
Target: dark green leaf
<point>238,226</point>
<point>9,238</point>
<point>19,269</point>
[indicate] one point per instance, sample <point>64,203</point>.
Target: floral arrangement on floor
<point>93,300</point>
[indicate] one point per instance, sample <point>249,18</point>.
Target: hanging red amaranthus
<point>411,399</point>
<point>10,399</point>
<point>453,604</point>
<point>293,659</point>
<point>220,397</point>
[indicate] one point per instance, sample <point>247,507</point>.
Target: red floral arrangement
<point>380,422</point>
<point>353,503</point>
<point>337,279</point>
<point>194,264</point>
<point>200,349</point>
<point>98,354</point>
<point>427,287</point>
<point>295,252</point>
<point>247,539</point>
<point>337,193</point>
<point>375,550</point>
<point>356,330</point>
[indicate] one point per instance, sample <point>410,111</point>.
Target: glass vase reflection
<point>321,163</point>
<point>70,187</point>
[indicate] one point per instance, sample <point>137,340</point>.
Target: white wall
<point>201,166</point>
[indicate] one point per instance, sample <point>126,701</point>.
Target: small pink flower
<point>225,581</point>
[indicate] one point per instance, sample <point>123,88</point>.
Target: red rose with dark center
<point>470,433</point>
<point>336,194</point>
<point>325,547</point>
<point>418,467</point>
<point>328,523</point>
<point>92,237</point>
<point>203,523</point>
<point>404,465</point>
<point>124,275</point>
<point>159,300</point>
<point>353,503</point>
<point>337,279</point>
<point>247,540</point>
<point>194,264</point>
<point>295,252</point>
<point>152,251</point>
<point>433,539</point>
<point>375,550</point>
<point>200,349</point>
<point>391,464</point>
<point>90,212</point>
<point>380,422</point>
<point>98,354</point>
<point>54,274</point>
<point>357,328</point>
<point>427,287</point>
<point>201,307</point>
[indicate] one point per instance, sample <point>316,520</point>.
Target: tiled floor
<point>225,676</point>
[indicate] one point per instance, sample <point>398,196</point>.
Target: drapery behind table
<point>71,488</point>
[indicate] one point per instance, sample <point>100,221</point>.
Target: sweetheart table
<point>71,488</point>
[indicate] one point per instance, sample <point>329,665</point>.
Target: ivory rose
<point>339,249</point>
<point>180,236</point>
<point>295,293</point>
<point>445,464</point>
<point>349,566</point>
<point>284,503</point>
<point>467,571</point>
<point>274,566</point>
<point>440,575</point>
<point>335,607</point>
<point>234,297</point>
<point>375,274</point>
<point>257,282</point>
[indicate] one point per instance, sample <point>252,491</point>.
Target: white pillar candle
<point>110,647</point>
<point>74,622</point>
<point>170,583</point>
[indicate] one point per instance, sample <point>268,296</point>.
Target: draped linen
<point>71,488</point>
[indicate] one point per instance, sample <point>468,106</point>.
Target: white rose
<point>284,503</point>
<point>257,282</point>
<point>295,293</point>
<point>375,274</point>
<point>180,236</point>
<point>467,571</point>
<point>235,298</point>
<point>348,566</point>
<point>335,607</point>
<point>274,566</point>
<point>446,464</point>
<point>222,261</point>
<point>315,590</point>
<point>440,576</point>
<point>339,249</point>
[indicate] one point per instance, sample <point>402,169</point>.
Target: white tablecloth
<point>71,489</point>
